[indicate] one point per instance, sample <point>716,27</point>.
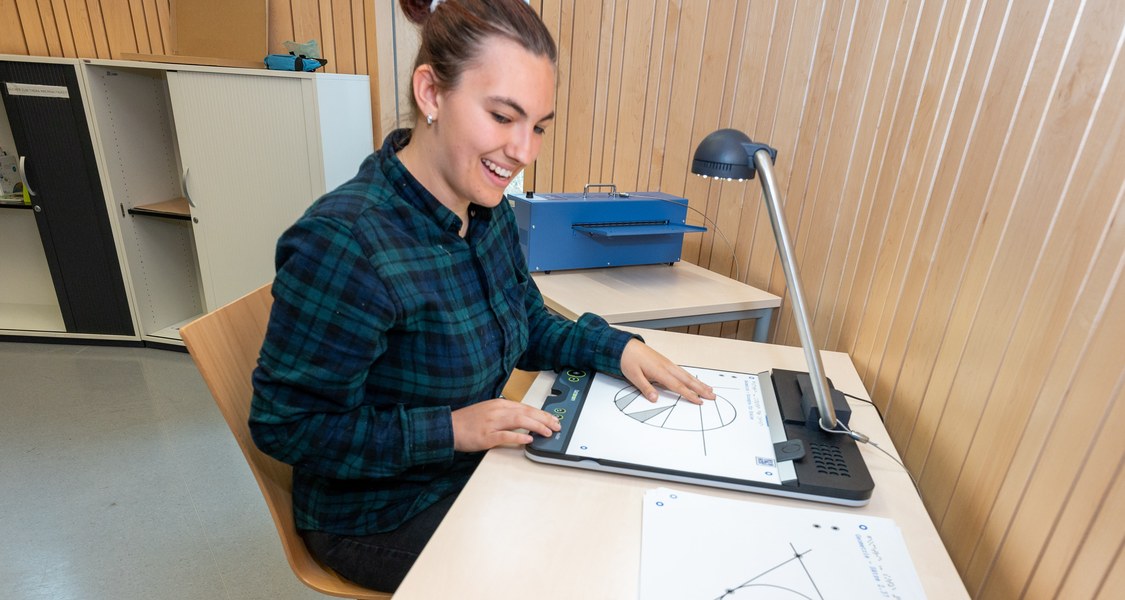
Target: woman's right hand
<point>492,423</point>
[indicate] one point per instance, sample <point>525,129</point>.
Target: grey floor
<point>120,480</point>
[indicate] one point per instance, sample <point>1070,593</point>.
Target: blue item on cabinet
<point>292,62</point>
<point>589,230</point>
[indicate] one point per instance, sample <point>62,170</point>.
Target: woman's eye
<point>540,130</point>
<point>500,118</point>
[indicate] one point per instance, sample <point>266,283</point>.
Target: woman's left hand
<point>643,366</point>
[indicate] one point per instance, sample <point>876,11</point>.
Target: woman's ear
<point>426,90</point>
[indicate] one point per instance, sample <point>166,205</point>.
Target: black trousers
<point>379,561</point>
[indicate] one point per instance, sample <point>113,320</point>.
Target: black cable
<point>863,439</point>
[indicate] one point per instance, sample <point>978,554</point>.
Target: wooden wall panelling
<point>31,23</point>
<point>603,130</point>
<point>889,150</point>
<point>398,46</point>
<point>1095,473</point>
<point>889,77</point>
<point>326,35</point>
<point>371,43</point>
<point>1067,238</point>
<point>754,63</point>
<point>1057,448</point>
<point>915,125</point>
<point>11,29</point>
<point>848,152</point>
<point>80,30</point>
<point>1113,581</point>
<point>359,37</point>
<point>98,28</point>
<point>559,17</point>
<point>62,25</point>
<point>163,18</point>
<point>1101,545</point>
<point>280,28</point>
<point>791,101</point>
<point>763,250</point>
<point>307,26</point>
<point>118,27</point>
<point>971,350</point>
<point>666,24</point>
<point>820,212</point>
<point>581,92</point>
<point>339,12</point>
<point>992,94</point>
<point>809,141</point>
<point>994,288</point>
<point>140,26</point>
<point>50,28</point>
<point>717,247</point>
<point>622,159</point>
<point>929,211</point>
<point>701,56</point>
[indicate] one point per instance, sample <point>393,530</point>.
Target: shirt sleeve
<point>311,406</point>
<point>555,342</point>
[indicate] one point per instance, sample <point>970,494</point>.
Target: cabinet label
<point>34,89</point>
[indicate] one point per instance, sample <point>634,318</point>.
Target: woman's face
<point>490,126</point>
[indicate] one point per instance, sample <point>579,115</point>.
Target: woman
<point>402,302</point>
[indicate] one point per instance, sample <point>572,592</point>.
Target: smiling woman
<point>484,130</point>
<point>402,303</point>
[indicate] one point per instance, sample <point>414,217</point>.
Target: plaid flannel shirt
<point>384,321</point>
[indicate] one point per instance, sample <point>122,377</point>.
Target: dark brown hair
<point>452,34</point>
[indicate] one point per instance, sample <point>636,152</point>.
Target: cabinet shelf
<point>172,332</point>
<point>176,208</point>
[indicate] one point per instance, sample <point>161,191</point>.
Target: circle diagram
<point>671,411</point>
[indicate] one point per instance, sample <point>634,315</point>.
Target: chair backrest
<point>224,345</point>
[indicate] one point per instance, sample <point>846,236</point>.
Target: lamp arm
<point>763,164</point>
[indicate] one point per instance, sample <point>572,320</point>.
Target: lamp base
<point>830,464</point>
<point>797,401</point>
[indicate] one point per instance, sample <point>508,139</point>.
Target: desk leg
<point>762,325</point>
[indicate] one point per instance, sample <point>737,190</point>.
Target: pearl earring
<point>429,119</point>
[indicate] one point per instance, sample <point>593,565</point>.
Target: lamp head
<point>727,154</point>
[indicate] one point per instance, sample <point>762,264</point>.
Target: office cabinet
<point>208,166</point>
<point>46,124</point>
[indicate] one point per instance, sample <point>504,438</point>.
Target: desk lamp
<point>815,454</point>
<point>729,154</point>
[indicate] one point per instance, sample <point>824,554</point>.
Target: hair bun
<point>417,11</point>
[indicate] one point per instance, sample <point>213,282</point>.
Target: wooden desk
<point>657,296</point>
<point>526,530</point>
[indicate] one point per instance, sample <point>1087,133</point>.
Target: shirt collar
<point>413,191</point>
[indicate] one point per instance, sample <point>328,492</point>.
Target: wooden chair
<point>224,345</point>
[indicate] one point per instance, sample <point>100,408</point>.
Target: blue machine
<point>588,230</point>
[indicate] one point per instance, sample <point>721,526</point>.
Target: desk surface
<point>649,292</point>
<point>527,530</point>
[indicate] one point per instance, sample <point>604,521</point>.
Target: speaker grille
<point>829,460</point>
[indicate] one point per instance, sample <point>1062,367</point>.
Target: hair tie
<point>434,5</point>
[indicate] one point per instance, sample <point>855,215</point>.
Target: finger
<point>522,416</point>
<point>501,438</point>
<point>702,390</point>
<point>647,390</point>
<point>542,427</point>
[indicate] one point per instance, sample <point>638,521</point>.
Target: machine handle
<point>23,176</point>
<point>612,187</point>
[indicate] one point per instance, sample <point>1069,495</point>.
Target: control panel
<point>565,402</point>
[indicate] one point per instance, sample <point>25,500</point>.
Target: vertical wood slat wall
<point>952,172</point>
